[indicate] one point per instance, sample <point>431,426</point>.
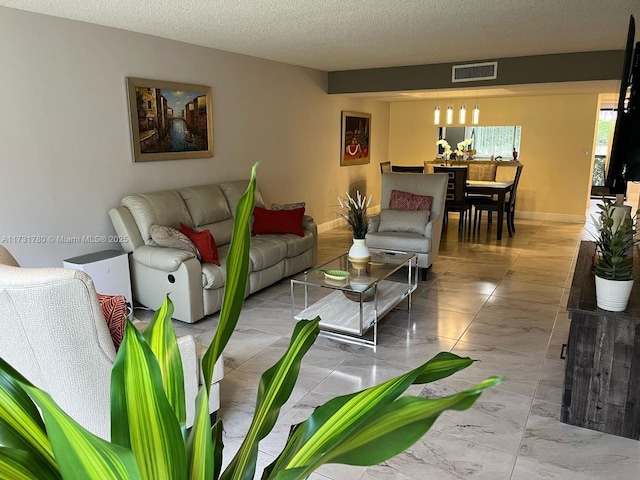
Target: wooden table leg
<point>501,198</point>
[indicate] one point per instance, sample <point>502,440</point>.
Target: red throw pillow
<point>277,221</point>
<point>204,242</point>
<point>409,202</point>
<point>114,309</point>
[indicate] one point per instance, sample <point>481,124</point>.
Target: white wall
<point>66,149</point>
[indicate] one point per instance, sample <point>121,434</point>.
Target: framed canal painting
<point>356,138</point>
<point>169,121</point>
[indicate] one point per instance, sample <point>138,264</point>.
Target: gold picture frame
<point>169,120</point>
<point>356,138</point>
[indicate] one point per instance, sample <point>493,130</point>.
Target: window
<point>489,142</point>
<point>492,142</point>
<point>606,124</point>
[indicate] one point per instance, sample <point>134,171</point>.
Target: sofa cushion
<point>221,231</point>
<point>277,221</point>
<point>403,221</point>
<point>266,251</point>
<point>408,201</point>
<point>206,204</point>
<point>287,206</point>
<point>164,236</point>
<point>157,208</point>
<point>399,241</point>
<point>297,245</point>
<point>234,190</point>
<point>204,242</point>
<point>213,276</point>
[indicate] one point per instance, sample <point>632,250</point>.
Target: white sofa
<point>55,335</point>
<point>197,288</point>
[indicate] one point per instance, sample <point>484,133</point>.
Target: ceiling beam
<point>563,67</point>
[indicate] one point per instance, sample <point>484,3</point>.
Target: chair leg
<point>510,224</point>
<point>424,274</point>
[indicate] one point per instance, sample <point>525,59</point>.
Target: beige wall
<point>556,147</point>
<point>66,150</point>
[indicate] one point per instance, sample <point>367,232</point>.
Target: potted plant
<point>354,212</point>
<point>148,435</point>
<point>613,260</point>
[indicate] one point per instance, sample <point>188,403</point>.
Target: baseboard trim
<point>552,217</point>
<point>324,227</point>
<point>543,216</point>
<point>338,222</point>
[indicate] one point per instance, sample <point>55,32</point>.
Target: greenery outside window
<point>489,142</point>
<point>492,142</point>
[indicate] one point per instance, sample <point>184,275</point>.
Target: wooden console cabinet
<point>602,373</point>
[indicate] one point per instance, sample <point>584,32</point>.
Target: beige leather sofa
<point>197,288</point>
<point>55,335</point>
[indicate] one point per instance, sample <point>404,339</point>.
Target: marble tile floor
<point>500,302</point>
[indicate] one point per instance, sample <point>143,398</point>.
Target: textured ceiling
<point>344,35</point>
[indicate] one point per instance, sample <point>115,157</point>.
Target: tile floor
<point>502,303</point>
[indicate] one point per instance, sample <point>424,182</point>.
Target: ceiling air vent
<point>472,72</point>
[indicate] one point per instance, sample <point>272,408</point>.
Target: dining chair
<point>456,198</point>
<point>385,167</point>
<point>482,171</point>
<point>407,168</point>
<point>490,206</point>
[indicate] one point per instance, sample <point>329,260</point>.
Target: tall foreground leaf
<point>275,389</point>
<point>333,433</point>
<point>161,338</point>
<point>142,418</point>
<point>236,280</point>
<point>80,454</point>
<point>23,439</point>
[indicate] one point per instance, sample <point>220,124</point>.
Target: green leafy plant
<point>614,242</point>
<point>148,435</point>
<point>354,212</point>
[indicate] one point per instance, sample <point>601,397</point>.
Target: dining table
<point>499,188</point>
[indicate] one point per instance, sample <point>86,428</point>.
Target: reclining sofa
<point>196,289</point>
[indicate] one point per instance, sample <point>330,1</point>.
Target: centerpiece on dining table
<point>354,212</point>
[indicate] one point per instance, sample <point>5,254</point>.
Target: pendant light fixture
<point>449,119</point>
<point>462,117</point>
<point>475,116</point>
<point>436,113</point>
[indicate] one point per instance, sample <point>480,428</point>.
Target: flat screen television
<point>624,163</point>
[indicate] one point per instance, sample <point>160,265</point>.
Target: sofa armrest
<point>374,223</point>
<point>161,258</point>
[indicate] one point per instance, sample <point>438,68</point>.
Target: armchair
<point>410,231</point>
<point>54,333</point>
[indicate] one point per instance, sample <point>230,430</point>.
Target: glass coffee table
<point>351,306</point>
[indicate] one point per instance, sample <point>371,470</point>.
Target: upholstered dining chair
<point>409,229</point>
<point>407,168</point>
<point>489,205</point>
<point>54,333</point>
<point>456,200</point>
<point>478,170</point>
<point>385,167</point>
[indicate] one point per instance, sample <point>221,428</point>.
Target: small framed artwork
<point>169,120</point>
<point>356,138</point>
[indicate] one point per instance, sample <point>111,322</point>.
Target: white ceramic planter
<point>613,295</point>
<point>359,254</point>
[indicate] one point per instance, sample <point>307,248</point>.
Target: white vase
<point>613,295</point>
<point>359,254</point>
